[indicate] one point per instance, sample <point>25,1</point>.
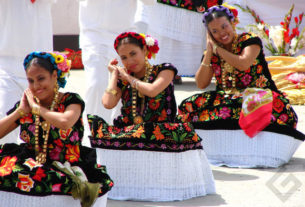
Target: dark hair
<point>43,63</point>
<point>216,15</point>
<point>131,40</point>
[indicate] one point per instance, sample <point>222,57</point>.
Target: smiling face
<point>222,30</point>
<point>41,82</point>
<point>132,57</point>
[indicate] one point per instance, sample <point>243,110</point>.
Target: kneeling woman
<point>148,155</point>
<point>246,122</point>
<point>51,165</point>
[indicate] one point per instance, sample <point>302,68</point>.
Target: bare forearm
<point>164,78</point>
<point>7,124</point>
<point>112,94</point>
<point>61,120</point>
<point>243,61</point>
<point>204,73</point>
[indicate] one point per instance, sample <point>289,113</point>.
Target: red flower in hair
<point>212,3</point>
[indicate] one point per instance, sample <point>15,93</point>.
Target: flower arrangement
<point>280,39</point>
<point>58,60</point>
<point>151,44</point>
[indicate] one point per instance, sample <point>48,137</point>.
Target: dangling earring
<point>147,65</point>
<point>56,88</point>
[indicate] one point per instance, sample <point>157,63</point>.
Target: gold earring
<point>56,88</point>
<point>147,65</point>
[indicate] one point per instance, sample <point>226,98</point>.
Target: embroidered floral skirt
<point>168,137</point>
<point>20,173</point>
<point>215,110</point>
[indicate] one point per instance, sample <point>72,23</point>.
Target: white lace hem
<point>15,200</point>
<point>235,149</point>
<point>157,176</point>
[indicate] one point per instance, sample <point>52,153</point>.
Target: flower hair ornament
<point>146,40</point>
<point>58,60</point>
<point>204,5</point>
<point>231,12</point>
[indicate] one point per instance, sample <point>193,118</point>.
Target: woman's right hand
<point>210,43</point>
<point>24,104</point>
<point>112,65</point>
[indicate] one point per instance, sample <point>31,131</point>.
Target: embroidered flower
<point>187,127</point>
<point>163,115</point>
<point>283,118</point>
<point>204,116</point>
<point>39,174</point>
<point>56,187</point>
<point>72,153</point>
<point>157,132</point>
<point>139,132</point>
<point>26,119</point>
<point>24,183</point>
<point>246,79</point>
<point>7,165</point>
<point>55,153</point>
<point>25,136</point>
<point>200,101</point>
<point>31,163</point>
<point>171,126</point>
<point>64,133</point>
<point>195,137</point>
<point>261,82</point>
<point>154,104</point>
<point>278,105</point>
<point>74,137</point>
<point>189,107</point>
<point>225,112</point>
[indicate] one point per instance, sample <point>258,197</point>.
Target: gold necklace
<point>227,69</point>
<point>41,156</point>
<point>138,119</point>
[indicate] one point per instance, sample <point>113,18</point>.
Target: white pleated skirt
<point>9,199</point>
<point>233,148</point>
<point>157,176</point>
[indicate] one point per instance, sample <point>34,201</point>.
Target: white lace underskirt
<point>234,148</point>
<point>9,199</point>
<point>157,176</point>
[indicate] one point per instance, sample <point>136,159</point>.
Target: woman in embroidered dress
<point>245,98</point>
<point>52,160</point>
<point>138,148</point>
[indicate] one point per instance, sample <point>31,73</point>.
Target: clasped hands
<point>27,103</point>
<point>211,44</point>
<point>117,70</point>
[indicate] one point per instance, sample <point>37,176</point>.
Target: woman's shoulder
<point>248,38</point>
<point>72,98</point>
<point>165,66</point>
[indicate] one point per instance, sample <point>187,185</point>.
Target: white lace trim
<point>235,149</point>
<point>157,176</point>
<point>15,200</point>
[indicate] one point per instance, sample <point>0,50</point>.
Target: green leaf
<point>175,137</point>
<point>182,137</point>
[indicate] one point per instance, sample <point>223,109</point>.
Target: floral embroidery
<point>72,153</point>
<point>194,110</point>
<point>20,173</point>
<point>25,183</point>
<point>7,165</point>
<point>39,174</point>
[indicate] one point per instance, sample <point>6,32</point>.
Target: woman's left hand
<point>122,73</point>
<point>30,97</point>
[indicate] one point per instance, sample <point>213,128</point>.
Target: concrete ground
<point>282,187</point>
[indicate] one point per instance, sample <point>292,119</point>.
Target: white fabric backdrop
<point>271,12</point>
<point>25,27</point>
<point>181,33</point>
